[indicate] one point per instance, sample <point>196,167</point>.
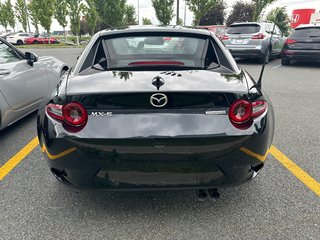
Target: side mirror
<point>31,58</point>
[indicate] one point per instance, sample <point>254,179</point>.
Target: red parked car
<point>41,39</point>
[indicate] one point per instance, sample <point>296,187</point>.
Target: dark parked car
<point>302,44</point>
<point>130,117</point>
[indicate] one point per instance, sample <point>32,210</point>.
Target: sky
<point>146,10</point>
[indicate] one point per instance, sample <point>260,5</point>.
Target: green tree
<point>130,15</point>
<point>61,12</point>
<point>111,13</point>
<point>215,16</point>
<point>280,17</point>
<point>84,27</point>
<point>21,14</point>
<point>43,12</point>
<point>91,15</point>
<point>259,5</point>
<point>180,22</point>
<point>146,21</point>
<point>32,10</point>
<point>3,16</point>
<point>74,8</point>
<point>241,12</point>
<point>164,10</point>
<point>200,8</point>
<point>10,14</point>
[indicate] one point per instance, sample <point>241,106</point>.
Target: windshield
<point>307,32</point>
<point>243,29</point>
<point>155,51</point>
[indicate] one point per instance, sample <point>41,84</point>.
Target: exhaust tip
<point>214,194</point>
<point>202,195</point>
<point>60,175</point>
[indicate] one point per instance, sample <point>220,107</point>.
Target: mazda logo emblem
<point>158,100</point>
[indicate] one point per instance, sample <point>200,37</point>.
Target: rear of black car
<point>303,44</point>
<point>156,123</point>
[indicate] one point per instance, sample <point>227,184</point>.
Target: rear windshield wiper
<point>314,36</point>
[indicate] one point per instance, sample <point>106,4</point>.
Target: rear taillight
<point>242,112</point>
<point>225,37</point>
<point>258,36</point>
<point>290,41</point>
<point>73,115</point>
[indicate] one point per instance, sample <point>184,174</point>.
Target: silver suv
<point>251,40</point>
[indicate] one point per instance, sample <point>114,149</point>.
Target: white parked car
<point>18,38</point>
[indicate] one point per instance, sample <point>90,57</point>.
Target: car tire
<point>285,61</point>
<point>266,57</point>
<point>35,42</point>
<point>19,42</point>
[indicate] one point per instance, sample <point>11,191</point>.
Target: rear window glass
<point>306,32</point>
<point>155,50</point>
<point>243,29</point>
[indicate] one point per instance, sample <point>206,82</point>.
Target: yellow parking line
<point>304,177</point>
<point>16,159</point>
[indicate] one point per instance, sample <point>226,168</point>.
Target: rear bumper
<point>246,53</point>
<point>199,155</point>
<point>155,164</point>
<point>302,55</point>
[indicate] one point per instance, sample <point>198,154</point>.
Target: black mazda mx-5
<point>156,108</point>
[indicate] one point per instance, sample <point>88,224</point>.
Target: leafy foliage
<point>259,5</point>
<point>43,12</point>
<point>200,8</point>
<point>91,15</point>
<point>215,16</point>
<point>74,9</point>
<point>32,9</point>
<point>84,27</point>
<point>61,12</point>
<point>280,17</point>
<point>21,14</point>
<point>180,22</point>
<point>111,13</point>
<point>146,21</point>
<point>7,15</point>
<point>164,10</point>
<point>130,15</point>
<point>241,12</point>
<point>3,16</point>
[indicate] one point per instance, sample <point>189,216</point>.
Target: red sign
<point>301,16</point>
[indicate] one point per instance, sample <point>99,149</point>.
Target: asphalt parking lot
<point>283,202</point>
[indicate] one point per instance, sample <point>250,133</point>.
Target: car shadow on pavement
<point>251,61</point>
<point>305,64</point>
<point>18,126</point>
<point>172,201</point>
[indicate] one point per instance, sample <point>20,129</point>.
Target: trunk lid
<point>136,90</point>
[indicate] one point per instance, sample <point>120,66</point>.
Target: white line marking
<point>277,66</point>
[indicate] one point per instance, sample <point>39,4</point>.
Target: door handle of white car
<point>4,72</point>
